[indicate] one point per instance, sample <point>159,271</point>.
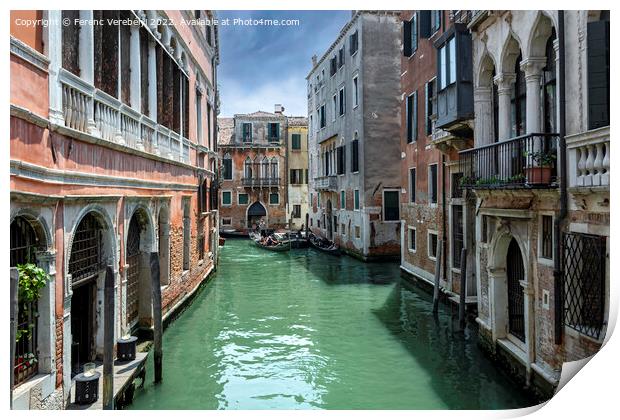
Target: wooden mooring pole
<point>462,302</point>
<point>157,317</point>
<point>437,275</point>
<point>108,340</point>
<point>14,310</point>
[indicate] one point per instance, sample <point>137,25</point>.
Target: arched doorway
<point>24,244</point>
<point>85,266</point>
<point>515,272</point>
<point>256,212</point>
<point>137,258</point>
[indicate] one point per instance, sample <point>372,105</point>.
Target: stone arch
<point>498,279</point>
<point>255,212</point>
<point>486,70</point>
<point>540,33</point>
<point>92,246</point>
<point>510,51</point>
<point>275,167</point>
<point>39,225</point>
<point>139,242</point>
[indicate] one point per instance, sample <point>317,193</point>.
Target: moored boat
<point>278,247</point>
<point>324,245</point>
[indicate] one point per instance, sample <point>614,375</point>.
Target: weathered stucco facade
<point>105,177</point>
<point>255,153</point>
<point>297,158</point>
<point>354,132</point>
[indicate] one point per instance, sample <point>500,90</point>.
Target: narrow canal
<point>308,330</point>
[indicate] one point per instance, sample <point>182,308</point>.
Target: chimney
<point>279,109</point>
<point>314,59</point>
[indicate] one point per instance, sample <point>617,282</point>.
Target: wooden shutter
<point>598,74</point>
<point>407,38</point>
<point>426,108</point>
<point>408,111</point>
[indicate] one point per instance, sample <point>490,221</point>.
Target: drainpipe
<point>443,214</point>
<point>557,269</point>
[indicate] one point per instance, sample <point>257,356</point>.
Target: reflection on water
<point>308,330</point>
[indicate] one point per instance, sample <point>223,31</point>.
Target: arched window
<point>517,100</point>
<point>247,168</point>
<point>264,171</point>
<point>274,168</point>
<point>23,247</point>
<point>549,87</point>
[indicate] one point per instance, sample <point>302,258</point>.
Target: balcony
<point>520,163</point>
<point>96,113</point>
<point>588,157</point>
<point>455,96</point>
<point>326,183</point>
<point>261,182</point>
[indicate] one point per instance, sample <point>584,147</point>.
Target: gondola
<point>279,247</point>
<point>324,245</point>
<point>232,233</point>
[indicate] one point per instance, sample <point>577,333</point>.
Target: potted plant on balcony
<point>539,166</point>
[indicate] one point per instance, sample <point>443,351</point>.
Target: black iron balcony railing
<point>527,161</point>
<point>261,182</point>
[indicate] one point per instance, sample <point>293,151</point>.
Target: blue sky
<point>264,65</point>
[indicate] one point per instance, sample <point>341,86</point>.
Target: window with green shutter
<point>274,198</point>
<point>342,199</point>
<point>226,198</point>
<point>296,142</point>
<point>356,199</point>
<point>243,199</point>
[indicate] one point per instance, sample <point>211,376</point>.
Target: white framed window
<point>432,183</point>
<point>334,107</point>
<point>226,198</point>
<point>342,101</point>
<point>431,244</point>
<point>274,199</point>
<point>411,239</point>
<point>242,198</point>
<point>546,238</point>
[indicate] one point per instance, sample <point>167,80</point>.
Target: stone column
<point>87,64</point>
<point>530,325</point>
<point>505,85</point>
<point>53,48</point>
<point>152,82</point>
<point>532,67</point>
<point>134,65</point>
<point>504,82</point>
<point>483,108</point>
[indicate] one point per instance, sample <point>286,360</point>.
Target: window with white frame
<point>431,245</point>
<point>411,239</point>
<point>432,183</point>
<point>355,92</point>
<point>226,198</point>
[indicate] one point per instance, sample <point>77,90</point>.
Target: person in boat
<point>261,226</point>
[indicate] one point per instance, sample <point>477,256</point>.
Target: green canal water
<point>305,330</point>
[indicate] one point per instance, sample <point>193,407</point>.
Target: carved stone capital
<point>532,67</point>
<point>504,82</point>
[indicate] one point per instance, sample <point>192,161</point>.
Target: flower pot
<point>540,175</point>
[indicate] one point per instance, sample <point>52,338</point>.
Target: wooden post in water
<point>157,317</point>
<point>14,310</point>
<point>437,275</point>
<point>463,287</point>
<point>108,340</point>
